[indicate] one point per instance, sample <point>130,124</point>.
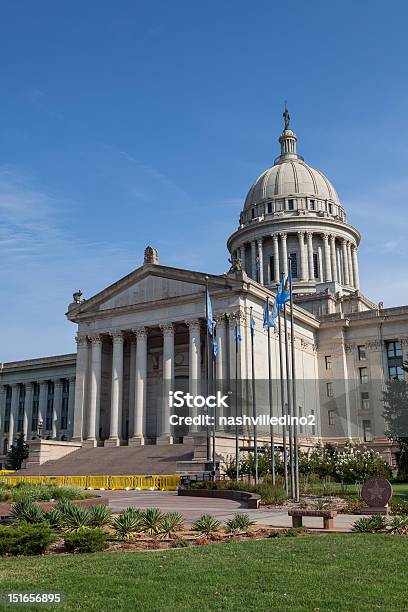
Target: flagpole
<point>289,398</point>
<point>270,400</point>
<point>294,398</point>
<point>207,365</point>
<point>254,396</point>
<point>282,386</point>
<point>236,403</point>
<point>213,361</point>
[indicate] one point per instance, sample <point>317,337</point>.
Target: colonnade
<point>339,261</point>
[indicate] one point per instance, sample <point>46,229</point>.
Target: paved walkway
<point>222,509</point>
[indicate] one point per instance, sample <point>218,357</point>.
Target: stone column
<point>350,263</point>
<point>168,382</point>
<point>242,256</point>
<point>42,403</point>
<point>355,267</point>
<point>327,262</point>
<point>346,276</point>
<point>139,417</point>
<point>80,387</point>
<point>71,407</point>
<point>15,395</point>
<point>2,409</point>
<point>333,258</point>
<point>253,259</point>
<point>260,256</point>
<point>284,253</point>
<point>302,254</point>
<point>56,406</point>
<point>194,358</point>
<point>221,360</point>
<point>95,390</point>
<point>116,390</point>
<point>310,255</point>
<point>132,385</point>
<point>28,404</point>
<point>276,266</point>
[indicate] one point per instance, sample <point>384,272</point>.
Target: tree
<point>17,453</point>
<point>395,399</point>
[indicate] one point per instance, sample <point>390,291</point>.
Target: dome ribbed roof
<point>290,177</point>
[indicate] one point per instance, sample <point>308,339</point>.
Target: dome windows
<point>312,204</point>
<point>291,204</point>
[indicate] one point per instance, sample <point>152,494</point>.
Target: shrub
<point>86,540</point>
<point>73,516</point>
<point>398,525</point>
<point>321,504</point>
<point>26,511</point>
<point>370,524</point>
<point>171,522</point>
<point>100,516</point>
<point>239,523</point>
<point>25,539</point>
<point>399,506</point>
<point>353,505</point>
<point>206,524</point>
<point>4,495</point>
<point>152,519</point>
<point>54,518</point>
<point>128,523</point>
<point>180,543</point>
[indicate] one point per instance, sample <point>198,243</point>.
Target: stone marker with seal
<point>377,493</point>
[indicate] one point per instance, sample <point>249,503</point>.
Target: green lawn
<point>400,489</point>
<point>328,573</point>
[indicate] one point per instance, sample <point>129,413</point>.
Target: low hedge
<point>26,539</point>
<point>86,540</point>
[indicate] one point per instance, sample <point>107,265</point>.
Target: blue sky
<point>132,123</point>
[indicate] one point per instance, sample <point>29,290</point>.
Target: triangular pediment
<point>148,284</point>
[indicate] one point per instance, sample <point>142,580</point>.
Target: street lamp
<point>40,428</point>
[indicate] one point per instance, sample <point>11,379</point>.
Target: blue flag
<point>273,317</point>
<point>270,318</point>
<point>252,324</point>
<point>257,264</point>
<point>283,295</point>
<point>210,322</point>
<point>237,335</point>
<point>215,340</point>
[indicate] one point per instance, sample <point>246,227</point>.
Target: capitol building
<point>147,332</point>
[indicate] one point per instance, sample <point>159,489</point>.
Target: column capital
<point>344,241</point>
<point>260,241</point>
<point>283,235</point>
<point>140,333</point>
<point>95,339</point>
<point>238,316</point>
<point>81,340</point>
<point>117,336</point>
<point>167,329</point>
<point>275,236</point>
<point>301,234</point>
<point>309,234</point>
<point>325,236</point>
<point>220,319</point>
<point>57,381</point>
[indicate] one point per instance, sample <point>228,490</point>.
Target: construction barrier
<point>5,472</point>
<point>142,483</point>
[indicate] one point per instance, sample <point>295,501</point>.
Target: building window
<point>293,265</point>
<point>330,208</point>
<point>252,213</point>
<point>20,416</point>
<point>64,404</point>
<point>271,268</point>
<point>35,407</point>
<point>50,406</point>
<point>312,412</point>
<point>367,437</point>
<point>6,425</point>
<point>363,373</point>
<point>331,417</point>
<point>365,400</point>
<point>269,207</point>
<point>291,204</point>
<point>315,265</point>
<point>362,355</point>
<point>396,372</point>
<point>329,389</point>
<point>328,362</point>
<point>312,204</point>
<point>393,349</point>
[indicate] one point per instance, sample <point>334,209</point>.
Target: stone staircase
<point>116,461</point>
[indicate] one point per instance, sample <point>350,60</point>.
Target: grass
<point>328,573</point>
<point>400,489</point>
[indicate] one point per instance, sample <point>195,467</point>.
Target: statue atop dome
<point>286,117</point>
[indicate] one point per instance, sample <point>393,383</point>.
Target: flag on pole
<point>237,335</point>
<point>252,325</point>
<point>257,263</point>
<point>210,322</point>
<point>283,295</point>
<point>215,340</point>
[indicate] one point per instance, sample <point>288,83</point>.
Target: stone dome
<point>290,177</point>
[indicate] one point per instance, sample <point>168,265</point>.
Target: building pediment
<point>149,284</point>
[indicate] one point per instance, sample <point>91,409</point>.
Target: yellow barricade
<point>98,482</point>
<point>121,482</point>
<point>76,481</point>
<point>144,483</point>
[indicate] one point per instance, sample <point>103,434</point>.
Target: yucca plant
<point>100,516</point>
<point>206,524</point>
<point>398,525</point>
<point>320,504</point>
<point>152,520</point>
<point>369,524</point>
<point>127,524</point>
<point>73,516</point>
<point>171,522</point>
<point>239,523</point>
<point>54,518</point>
<point>25,511</point>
